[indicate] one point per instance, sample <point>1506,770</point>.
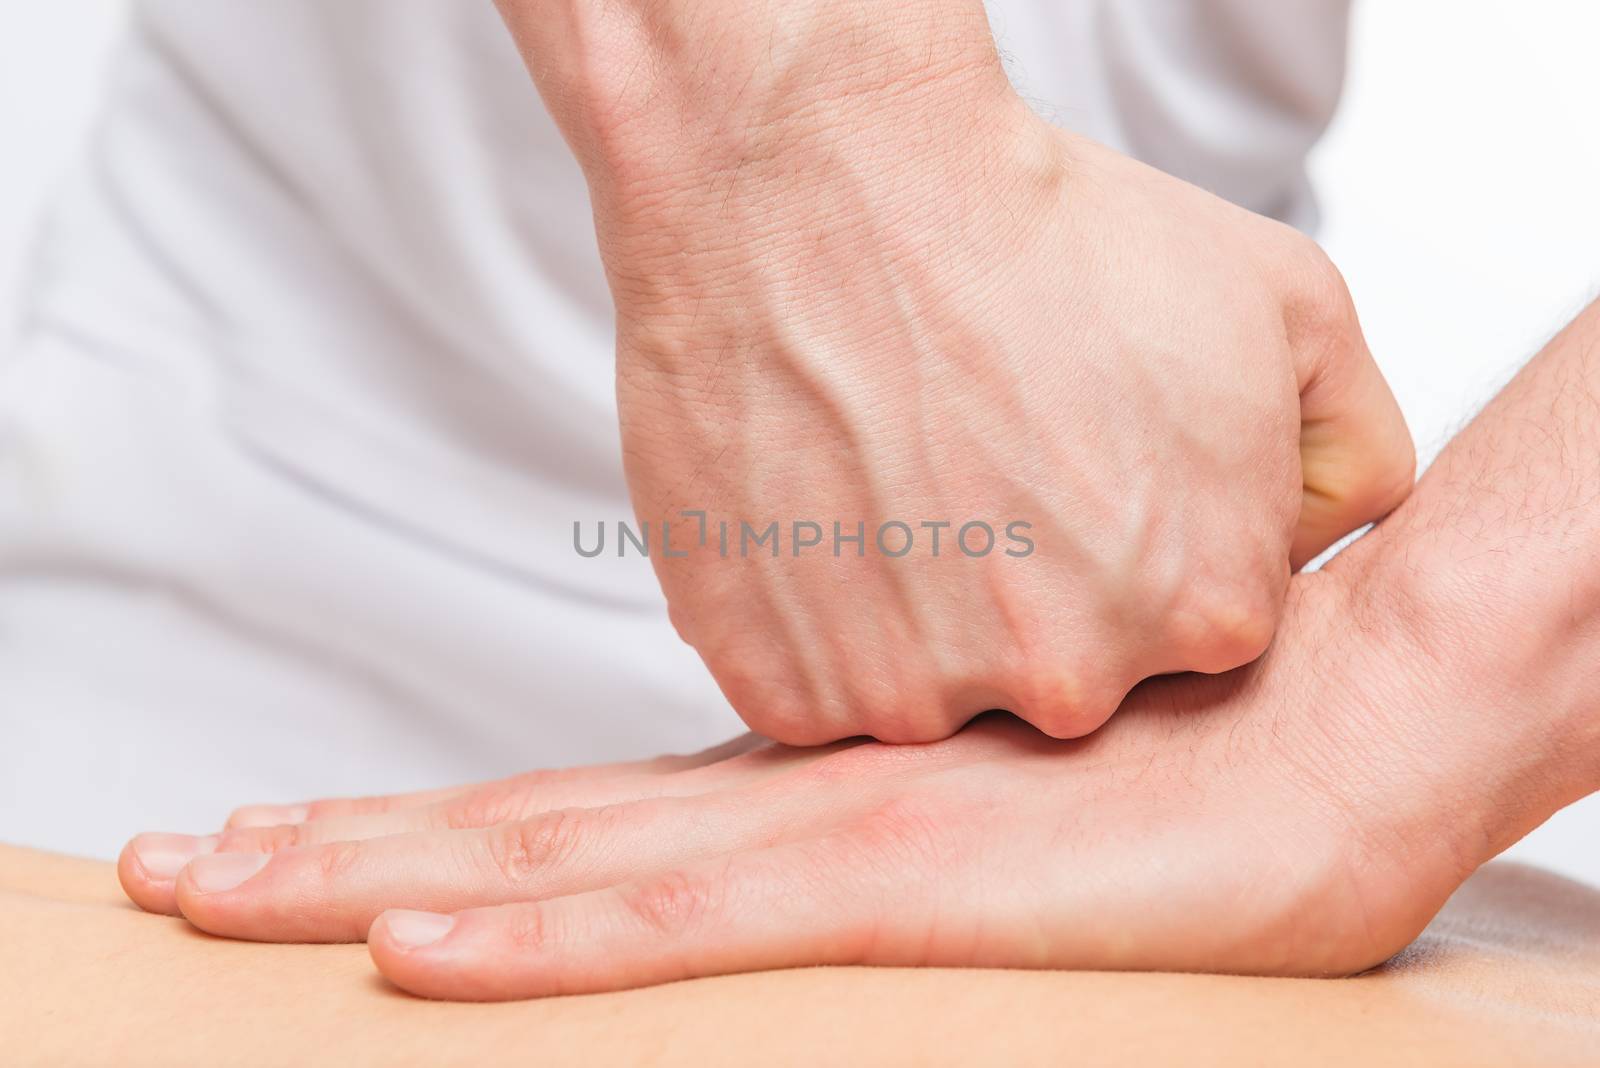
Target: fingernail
<point>410,929</point>
<point>224,871</point>
<point>269,815</point>
<point>162,856</point>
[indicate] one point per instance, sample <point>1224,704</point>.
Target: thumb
<point>1357,460</point>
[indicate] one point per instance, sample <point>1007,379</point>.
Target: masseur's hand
<point>1303,815</point>
<point>1431,697</point>
<point>859,282</point>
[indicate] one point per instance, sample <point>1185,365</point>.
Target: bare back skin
<point>1509,973</point>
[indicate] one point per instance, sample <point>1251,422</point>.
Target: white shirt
<point>317,377</point>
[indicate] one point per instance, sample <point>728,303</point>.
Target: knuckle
<point>1066,721</point>
<point>336,861</point>
<point>263,839</point>
<point>906,832</point>
<point>768,695</point>
<point>1322,296</point>
<point>782,714</point>
<point>528,782</point>
<point>241,817</point>
<point>318,810</point>
<point>1064,700</point>
<point>1318,312</point>
<point>349,806</point>
<point>524,929</point>
<point>483,808</point>
<point>907,711</point>
<point>673,904</point>
<point>520,850</point>
<point>1224,626</point>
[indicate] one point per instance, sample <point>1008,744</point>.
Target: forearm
<point>728,145</point>
<point>612,71</point>
<point>1493,568</point>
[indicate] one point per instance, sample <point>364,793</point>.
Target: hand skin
<point>1506,975</point>
<point>857,280</point>
<point>1427,702</point>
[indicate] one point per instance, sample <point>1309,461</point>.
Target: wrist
<point>1492,687</point>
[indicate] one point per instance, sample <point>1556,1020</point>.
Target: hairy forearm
<point>627,79</point>
<point>589,55</point>
<point>724,140</point>
<point>1495,559</point>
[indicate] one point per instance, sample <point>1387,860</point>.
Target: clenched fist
<point>945,409</point>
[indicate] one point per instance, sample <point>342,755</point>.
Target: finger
<point>481,807</point>
<point>1356,455</point>
<point>149,865</point>
<point>798,904</point>
<point>150,881</point>
<point>151,862</point>
<point>332,893</point>
<point>331,808</point>
<point>521,797</point>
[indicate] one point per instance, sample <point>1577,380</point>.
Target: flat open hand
<point>1280,819</point>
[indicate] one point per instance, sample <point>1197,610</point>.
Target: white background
<point>1460,184</point>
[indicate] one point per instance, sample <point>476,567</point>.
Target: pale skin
<point>1430,698</point>
<point>1504,976</point>
<point>858,280</point>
